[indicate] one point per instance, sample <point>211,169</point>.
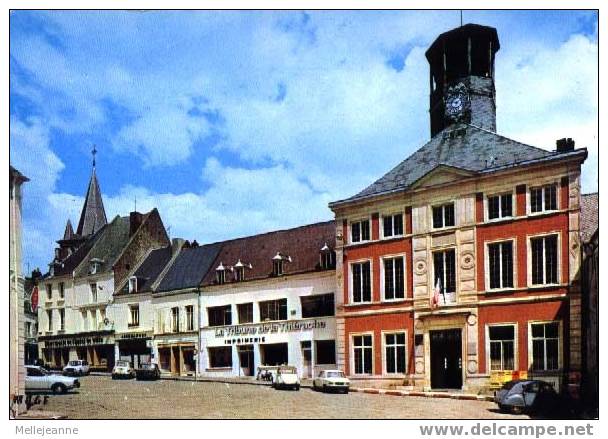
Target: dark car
<point>530,396</point>
<point>147,371</point>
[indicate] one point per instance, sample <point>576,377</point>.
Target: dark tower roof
<point>93,216</point>
<point>69,231</point>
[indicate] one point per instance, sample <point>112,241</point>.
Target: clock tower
<point>462,77</point>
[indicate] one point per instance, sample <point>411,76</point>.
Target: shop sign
<point>132,335</point>
<point>80,341</point>
<point>269,328</point>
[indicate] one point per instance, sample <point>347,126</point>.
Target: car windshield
<point>74,363</point>
<point>287,370</point>
<point>149,366</point>
<point>335,374</point>
<point>122,363</point>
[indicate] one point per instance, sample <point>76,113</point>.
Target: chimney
<point>564,145</point>
<point>135,219</point>
<point>176,245</point>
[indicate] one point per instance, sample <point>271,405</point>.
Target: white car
<point>123,369</point>
<point>39,379</point>
<point>286,378</point>
<point>76,367</point>
<point>331,381</point>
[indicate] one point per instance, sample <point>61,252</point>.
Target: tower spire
<point>93,215</point>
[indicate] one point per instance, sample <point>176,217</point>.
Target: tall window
<point>363,353</point>
<point>189,318</point>
<point>134,315</point>
<point>500,206</point>
<point>132,284</point>
<point>545,346</point>
<point>328,258</point>
<point>93,288</point>
<point>62,319</point>
<point>394,282</point>
<point>85,321</point>
<point>444,263</point>
<point>93,319</point>
<point>220,356</point>
<point>239,274</point>
<point>49,318</point>
<point>443,216</point>
<point>543,198</point>
<point>277,267</point>
<point>392,225</point>
<point>318,305</point>
<point>500,264</point>
<point>325,351</point>
<point>544,260</point>
<point>245,311</point>
<point>175,319</point>
<point>49,291</point>
<point>273,310</point>
<point>359,231</point>
<point>61,290</point>
<point>220,275</point>
<point>361,278</point>
<point>220,315</point>
<point>394,346</point>
<point>502,347</point>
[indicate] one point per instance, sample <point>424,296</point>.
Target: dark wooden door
<point>446,359</point>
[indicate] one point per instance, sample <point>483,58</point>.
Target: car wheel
<point>297,387</point>
<point>324,388</point>
<point>517,410</point>
<point>59,388</point>
<point>346,391</point>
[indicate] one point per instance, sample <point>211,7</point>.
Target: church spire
<point>69,231</point>
<point>93,215</point>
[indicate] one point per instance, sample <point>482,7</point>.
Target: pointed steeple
<point>93,215</point>
<point>69,231</point>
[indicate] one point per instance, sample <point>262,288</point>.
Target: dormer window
<point>278,263</point>
<point>132,284</point>
<point>239,271</point>
<point>95,265</point>
<point>327,257</point>
<point>220,274</point>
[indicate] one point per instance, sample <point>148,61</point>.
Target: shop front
<point>176,355</point>
<point>95,347</point>
<point>239,350</point>
<point>134,347</point>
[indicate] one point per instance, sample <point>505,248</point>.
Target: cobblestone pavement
<point>101,397</point>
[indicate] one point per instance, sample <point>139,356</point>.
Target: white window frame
<point>392,216</point>
<point>175,323</point>
<point>513,241</point>
<point>542,185</point>
<point>382,277</point>
<point>560,346</point>
<point>352,336</point>
<point>277,267</point>
<point>350,232</point>
<point>132,284</point>
<point>384,333</point>
<point>456,270</point>
<point>351,281</point>
<point>190,323</point>
<point>94,295</point>
<point>49,320</point>
<point>515,346</point>
<point>61,312</point>
<point>85,320</point>
<point>559,259</point>
<point>442,204</point>
<point>220,276</point>
<point>49,291</point>
<point>486,206</point>
<point>133,306</point>
<point>61,288</point>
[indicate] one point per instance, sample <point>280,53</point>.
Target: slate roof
<point>589,215</point>
<point>107,246</point>
<point>189,267</point>
<point>462,146</point>
<point>93,215</point>
<point>302,244</point>
<point>69,264</point>
<point>151,268</point>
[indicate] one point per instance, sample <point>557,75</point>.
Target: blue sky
<point>234,123</point>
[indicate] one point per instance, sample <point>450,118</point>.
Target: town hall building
<point>459,268</point>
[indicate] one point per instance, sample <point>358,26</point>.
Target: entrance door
<point>246,360</point>
<point>306,359</point>
<point>446,359</point>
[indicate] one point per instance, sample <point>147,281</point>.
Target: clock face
<point>455,101</point>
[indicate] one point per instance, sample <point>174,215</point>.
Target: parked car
<point>147,371</point>
<point>520,396</point>
<point>286,378</point>
<point>123,369</point>
<point>76,367</point>
<point>331,381</point>
<point>38,379</point>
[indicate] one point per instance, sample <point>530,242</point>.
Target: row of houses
<point>459,268</point>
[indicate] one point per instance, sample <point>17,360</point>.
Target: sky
<point>234,123</point>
